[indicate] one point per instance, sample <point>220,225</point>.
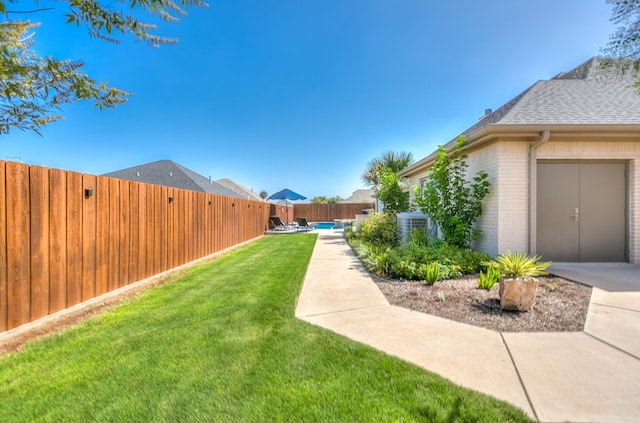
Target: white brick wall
<point>487,159</point>
<point>514,197</point>
<point>505,218</point>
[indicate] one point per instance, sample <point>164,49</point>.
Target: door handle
<point>576,215</point>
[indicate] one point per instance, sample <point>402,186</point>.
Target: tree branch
<point>23,12</point>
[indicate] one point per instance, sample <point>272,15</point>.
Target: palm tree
<point>390,159</point>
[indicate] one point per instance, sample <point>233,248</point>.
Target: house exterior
<point>171,174</point>
<point>563,159</point>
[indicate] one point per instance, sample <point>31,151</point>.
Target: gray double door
<point>581,211</point>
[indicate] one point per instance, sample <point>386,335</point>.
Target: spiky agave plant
<point>519,265</point>
<point>489,278</point>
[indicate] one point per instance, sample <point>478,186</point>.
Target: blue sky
<point>300,93</point>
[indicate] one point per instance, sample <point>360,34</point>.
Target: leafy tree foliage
<point>391,160</point>
<point>322,199</point>
<point>390,192</point>
<point>624,43</point>
<point>32,87</point>
<point>452,202</point>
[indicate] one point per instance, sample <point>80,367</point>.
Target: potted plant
<point>518,283</point>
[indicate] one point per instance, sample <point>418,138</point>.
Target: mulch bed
<point>560,305</point>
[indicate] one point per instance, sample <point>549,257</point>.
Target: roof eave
<point>531,133</point>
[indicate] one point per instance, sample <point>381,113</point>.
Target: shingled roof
<point>171,174</point>
<point>596,92</point>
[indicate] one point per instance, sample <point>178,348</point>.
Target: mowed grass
<point>221,344</point>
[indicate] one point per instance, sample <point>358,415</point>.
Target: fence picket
<point>57,240</point>
<point>133,232</point>
<point>18,246</point>
<point>74,238</point>
<point>3,250</point>
<point>103,235</point>
<point>115,241</point>
<point>87,193</point>
<point>141,229</point>
<point>123,278</point>
<point>163,227</point>
<point>39,219</point>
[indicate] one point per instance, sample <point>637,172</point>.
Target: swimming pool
<point>323,225</point>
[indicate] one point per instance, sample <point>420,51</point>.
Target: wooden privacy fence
<point>67,237</point>
<point>319,212</point>
<point>329,212</point>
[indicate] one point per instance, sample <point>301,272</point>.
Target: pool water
<point>324,225</point>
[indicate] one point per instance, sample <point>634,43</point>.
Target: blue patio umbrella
<point>286,194</point>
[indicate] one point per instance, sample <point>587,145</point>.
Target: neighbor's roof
<point>596,93</point>
<point>239,189</point>
<point>171,174</point>
<point>361,196</point>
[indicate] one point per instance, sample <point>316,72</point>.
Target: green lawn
<point>221,344</point>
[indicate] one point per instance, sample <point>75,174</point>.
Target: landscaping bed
<point>560,305</point>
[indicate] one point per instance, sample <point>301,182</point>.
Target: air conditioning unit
<point>408,222</point>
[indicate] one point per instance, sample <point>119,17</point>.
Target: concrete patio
<point>592,375</point>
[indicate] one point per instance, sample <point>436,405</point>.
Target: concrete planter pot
<point>517,294</point>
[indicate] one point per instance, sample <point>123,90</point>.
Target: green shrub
<point>348,233</point>
<point>407,269</point>
<point>376,259</point>
<point>467,261</point>
<point>433,273</point>
<point>488,279</point>
<point>450,198</point>
<point>379,229</point>
<point>473,261</point>
<point>419,238</point>
<point>411,260</point>
<point>451,271</point>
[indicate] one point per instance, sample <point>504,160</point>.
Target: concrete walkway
<point>590,376</point>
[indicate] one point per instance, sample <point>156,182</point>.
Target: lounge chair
<point>278,224</point>
<point>303,225</point>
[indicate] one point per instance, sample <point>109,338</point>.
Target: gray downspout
<point>533,188</point>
